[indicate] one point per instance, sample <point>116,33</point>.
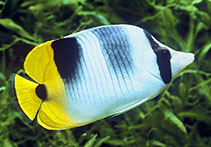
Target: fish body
<point>95,73</point>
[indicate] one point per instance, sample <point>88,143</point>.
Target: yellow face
<point>51,112</point>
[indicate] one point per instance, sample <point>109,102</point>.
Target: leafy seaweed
<point>180,116</point>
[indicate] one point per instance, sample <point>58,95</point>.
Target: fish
<point>93,74</point>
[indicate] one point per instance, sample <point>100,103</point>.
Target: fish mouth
<point>187,60</point>
<point>180,61</point>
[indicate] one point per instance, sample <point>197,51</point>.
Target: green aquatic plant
<point>180,116</point>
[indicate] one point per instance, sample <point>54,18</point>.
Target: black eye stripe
<point>155,46</point>
<point>164,53</point>
<point>163,58</point>
<point>164,65</point>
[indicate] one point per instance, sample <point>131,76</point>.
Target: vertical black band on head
<point>155,46</point>
<point>164,64</point>
<point>41,91</point>
<point>163,58</point>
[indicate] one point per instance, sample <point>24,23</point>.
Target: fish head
<point>179,60</point>
<point>164,63</point>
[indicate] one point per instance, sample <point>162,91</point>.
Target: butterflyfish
<point>93,74</point>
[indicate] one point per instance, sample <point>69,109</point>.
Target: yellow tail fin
<point>27,99</point>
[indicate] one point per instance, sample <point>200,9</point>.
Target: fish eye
<point>41,91</point>
<point>164,54</point>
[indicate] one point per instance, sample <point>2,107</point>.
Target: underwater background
<point>179,117</point>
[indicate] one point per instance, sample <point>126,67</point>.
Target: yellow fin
<point>53,117</point>
<point>26,96</point>
<point>37,61</point>
<point>41,67</point>
<point>53,113</point>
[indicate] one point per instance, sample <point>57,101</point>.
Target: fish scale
<point>116,48</point>
<point>89,46</point>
